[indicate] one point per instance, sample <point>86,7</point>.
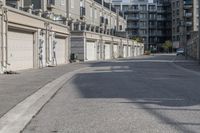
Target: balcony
<point>152,18</point>
<point>152,34</point>
<point>187,6</point>
<point>161,27</point>
<point>107,5</point>
<point>133,18</point>
<point>152,10</point>
<point>113,9</point>
<point>98,1</point>
<point>131,10</point>
<point>161,19</point>
<point>161,11</point>
<point>188,23</point>
<point>121,14</point>
<point>50,3</point>
<point>188,15</point>
<point>153,26</point>
<point>160,34</point>
<point>143,27</point>
<point>133,26</point>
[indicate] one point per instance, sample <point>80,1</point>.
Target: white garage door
<point>20,50</point>
<point>129,51</point>
<point>107,51</point>
<point>60,49</point>
<point>91,51</point>
<point>125,50</point>
<point>115,50</point>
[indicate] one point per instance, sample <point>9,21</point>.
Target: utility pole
<point>199,35</point>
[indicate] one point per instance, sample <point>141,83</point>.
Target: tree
<point>138,39</point>
<point>167,46</point>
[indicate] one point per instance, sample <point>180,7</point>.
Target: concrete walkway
<point>16,87</point>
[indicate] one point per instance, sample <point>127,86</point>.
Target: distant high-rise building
<point>184,21</point>
<point>148,19</point>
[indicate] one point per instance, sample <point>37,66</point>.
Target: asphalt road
<point>143,95</point>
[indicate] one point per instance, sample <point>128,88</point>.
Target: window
<point>95,13</point>
<point>62,2</point>
<point>91,12</point>
<point>72,3</point>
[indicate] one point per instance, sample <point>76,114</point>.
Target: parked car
<point>180,51</point>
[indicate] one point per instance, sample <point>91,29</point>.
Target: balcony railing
<point>188,23</point>
<point>152,10</point>
<point>161,10</point>
<point>187,6</point>
<point>121,14</point>
<point>161,19</point>
<point>132,18</point>
<point>188,14</point>
<point>113,9</point>
<point>152,26</point>
<point>50,2</point>
<point>133,26</point>
<point>98,1</point>
<point>152,18</point>
<point>107,5</point>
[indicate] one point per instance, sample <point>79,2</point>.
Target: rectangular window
<point>62,2</point>
<point>91,12</point>
<point>72,3</point>
<point>95,13</point>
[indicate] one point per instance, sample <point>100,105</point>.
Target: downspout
<point>2,51</point>
<point>67,9</point>
<point>47,43</point>
<point>6,38</point>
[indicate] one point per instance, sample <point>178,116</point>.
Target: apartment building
<point>147,19</point>
<point>97,29</point>
<point>103,27</point>
<point>29,41</point>
<point>36,34</point>
<point>196,15</point>
<point>184,21</point>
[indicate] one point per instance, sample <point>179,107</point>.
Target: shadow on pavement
<point>144,84</point>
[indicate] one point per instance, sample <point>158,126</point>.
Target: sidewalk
<point>188,64</point>
<point>16,87</point>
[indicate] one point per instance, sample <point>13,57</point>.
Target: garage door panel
<point>107,51</point>
<point>20,50</point>
<point>115,50</point>
<point>129,51</point>
<point>91,51</point>
<point>125,51</point>
<point>60,49</point>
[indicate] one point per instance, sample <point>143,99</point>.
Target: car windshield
<point>180,49</point>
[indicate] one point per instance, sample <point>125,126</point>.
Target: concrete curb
<point>15,120</point>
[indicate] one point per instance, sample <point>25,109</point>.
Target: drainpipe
<point>2,40</point>
<point>67,10</point>
<point>6,38</point>
<point>47,43</point>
